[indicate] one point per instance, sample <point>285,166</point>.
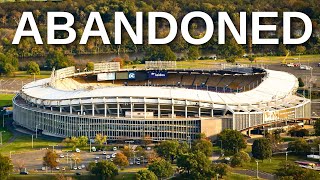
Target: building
<point>157,104</point>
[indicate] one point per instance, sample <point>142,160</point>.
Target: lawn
<point>23,144</point>
<point>25,75</point>
<point>6,99</point>
<point>6,135</point>
<point>235,176</point>
<point>122,176</point>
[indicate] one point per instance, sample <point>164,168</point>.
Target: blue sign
<point>131,75</point>
<point>157,74</point>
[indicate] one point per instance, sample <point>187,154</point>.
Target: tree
<point>160,53</point>
<point>261,149</point>
<point>33,68</point>
<point>121,160</point>
<point>231,59</point>
<point>301,49</point>
<point>100,139</point>
<point>8,63</point>
<point>316,127</point>
<point>251,58</point>
<point>290,169</point>
<point>103,169</point>
<point>221,169</point>
<point>50,159</point>
<point>119,60</point>
<point>232,141</point>
<point>193,53</point>
<point>127,152</point>
<point>161,168</point>
<point>239,159</point>
<point>299,146</point>
<point>6,167</point>
<point>73,141</point>
<point>195,165</point>
<point>58,59</point>
<point>90,66</point>
<point>145,174</point>
<point>168,149</point>
<point>204,146</point>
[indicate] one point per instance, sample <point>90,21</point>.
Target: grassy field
<point>23,144</point>
<point>5,135</point>
<point>235,176</point>
<point>6,99</point>
<point>121,176</point>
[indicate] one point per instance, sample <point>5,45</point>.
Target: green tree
<point>6,167</point>
<point>8,63</point>
<point>145,174</point>
<point>316,127</point>
<point>104,169</point>
<point>204,146</point>
<point>193,53</point>
<point>221,169</point>
<point>231,59</point>
<point>73,141</point>
<point>290,169</point>
<point>121,160</point>
<point>82,141</point>
<point>50,159</point>
<point>251,58</point>
<point>161,168</point>
<point>232,141</point>
<point>195,165</point>
<point>262,149</point>
<point>239,159</point>
<point>58,59</point>
<point>168,149</point>
<point>90,66</point>
<point>160,53</point>
<point>231,48</point>
<point>33,68</point>
<point>299,146</point>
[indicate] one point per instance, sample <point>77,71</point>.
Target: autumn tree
<point>100,139</point>
<point>50,159</point>
<point>6,167</point>
<point>121,160</point>
<point>90,66</point>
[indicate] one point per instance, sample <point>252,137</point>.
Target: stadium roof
<point>276,85</point>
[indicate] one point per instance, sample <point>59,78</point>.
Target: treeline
<point>10,14</point>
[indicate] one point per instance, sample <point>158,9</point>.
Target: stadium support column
<point>70,107</point>
<point>105,107</point>
<point>186,109</point>
<point>212,114</point>
<point>81,107</point>
<point>145,107</point>
<point>131,108</point>
<point>199,109</point>
<point>172,108</point>
<point>92,107</point>
<point>118,108</point>
<point>60,107</point>
<point>159,108</point>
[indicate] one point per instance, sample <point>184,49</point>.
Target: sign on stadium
<point>157,74</point>
<point>160,64</point>
<point>106,76</point>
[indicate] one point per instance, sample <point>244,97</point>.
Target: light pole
<point>189,141</point>
<point>217,176</point>
<point>10,153</point>
<point>32,141</point>
<point>257,169</point>
<point>1,136</point>
<point>221,147</point>
<point>319,152</point>
<point>53,147</point>
<point>3,119</point>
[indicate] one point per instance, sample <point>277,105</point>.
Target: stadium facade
<point>157,104</point>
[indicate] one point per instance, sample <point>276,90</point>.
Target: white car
<point>63,169</point>
<point>111,159</point>
<point>77,150</point>
<point>115,148</point>
<point>96,161</point>
<point>97,157</point>
<point>75,168</point>
<point>93,149</point>
<point>138,159</point>
<point>131,163</point>
<point>83,166</point>
<point>138,162</point>
<point>57,168</point>
<point>113,155</point>
<point>148,148</point>
<point>61,156</point>
<point>108,156</point>
<point>104,152</point>
<point>79,167</point>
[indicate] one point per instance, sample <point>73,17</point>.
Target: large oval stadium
<point>157,103</point>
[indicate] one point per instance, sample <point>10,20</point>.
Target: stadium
<point>159,102</point>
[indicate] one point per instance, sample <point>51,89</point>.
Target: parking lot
<point>33,160</point>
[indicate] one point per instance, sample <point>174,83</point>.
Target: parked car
<point>63,169</point>
<point>61,156</point>
<point>24,172</point>
<point>75,168</point>
<point>108,156</point>
<point>57,168</point>
<point>138,162</point>
<point>79,167</point>
<point>104,152</point>
<point>77,150</point>
<point>97,157</point>
<point>93,149</point>
<point>113,155</point>
<point>115,148</point>
<point>148,148</point>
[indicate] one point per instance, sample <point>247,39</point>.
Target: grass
<point>235,176</point>
<point>6,99</point>
<point>23,144</point>
<point>5,135</point>
<point>25,75</point>
<point>288,139</point>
